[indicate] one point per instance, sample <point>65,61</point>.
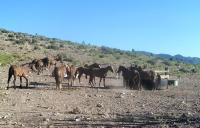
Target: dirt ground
<point>41,105</point>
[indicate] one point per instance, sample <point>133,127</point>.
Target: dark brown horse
<point>59,73</point>
<point>131,78</point>
<point>38,66</point>
<point>95,65</point>
<point>47,62</point>
<point>99,72</point>
<point>148,78</point>
<point>20,71</point>
<point>82,70</point>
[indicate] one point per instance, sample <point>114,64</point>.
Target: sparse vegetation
<point>89,53</point>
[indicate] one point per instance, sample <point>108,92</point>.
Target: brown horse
<point>47,62</point>
<point>59,73</point>
<point>101,73</point>
<point>38,65</point>
<point>71,74</point>
<point>20,71</point>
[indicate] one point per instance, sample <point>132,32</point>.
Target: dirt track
<point>81,106</point>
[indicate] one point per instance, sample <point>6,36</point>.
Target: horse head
<point>110,68</point>
<point>120,69</point>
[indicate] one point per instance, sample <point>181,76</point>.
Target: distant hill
<point>178,57</point>
<point>192,60</point>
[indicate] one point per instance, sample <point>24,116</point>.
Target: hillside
<point>16,47</point>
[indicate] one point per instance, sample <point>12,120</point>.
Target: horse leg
<point>20,82</point>
<point>94,81</point>
<point>79,78</point>
<point>100,81</point>
<point>104,82</point>
<point>60,86</point>
<point>27,83</point>
<point>14,82</point>
<point>91,81</point>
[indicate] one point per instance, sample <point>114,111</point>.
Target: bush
<point>34,41</point>
<point>36,47</point>
<point>106,50</point>
<point>61,45</point>
<point>19,42</point>
<point>101,56</point>
<point>64,57</point>
<point>54,47</point>
<point>11,35</point>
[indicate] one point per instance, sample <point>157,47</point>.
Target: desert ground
<point>41,105</point>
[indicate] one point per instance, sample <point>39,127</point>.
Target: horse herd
<point>134,77</point>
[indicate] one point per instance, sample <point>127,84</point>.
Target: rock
<point>5,93</point>
<point>99,105</point>
<point>122,93</point>
<point>46,119</point>
<point>88,95</point>
<point>14,104</point>
<point>76,110</point>
<point>77,119</point>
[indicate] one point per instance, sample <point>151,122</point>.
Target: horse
<point>131,78</point>
<point>148,78</point>
<point>47,62</point>
<point>95,65</point>
<point>71,74</point>
<point>82,70</point>
<point>99,72</point>
<point>59,73</point>
<point>20,71</point>
<point>38,65</point>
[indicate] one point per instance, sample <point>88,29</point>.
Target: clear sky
<point>158,26</point>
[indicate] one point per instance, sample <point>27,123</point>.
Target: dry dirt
<point>41,105</point>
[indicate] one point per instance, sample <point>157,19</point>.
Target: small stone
<point>99,105</point>
<point>88,95</point>
<point>77,119</point>
<point>76,110</point>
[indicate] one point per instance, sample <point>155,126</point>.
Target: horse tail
<point>10,73</point>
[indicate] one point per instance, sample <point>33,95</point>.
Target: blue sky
<point>158,26</point>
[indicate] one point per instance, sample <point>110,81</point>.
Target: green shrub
<point>54,47</point>
<point>64,57</point>
<point>61,45</point>
<point>19,42</point>
<point>36,47</point>
<point>34,41</point>
<point>101,56</point>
